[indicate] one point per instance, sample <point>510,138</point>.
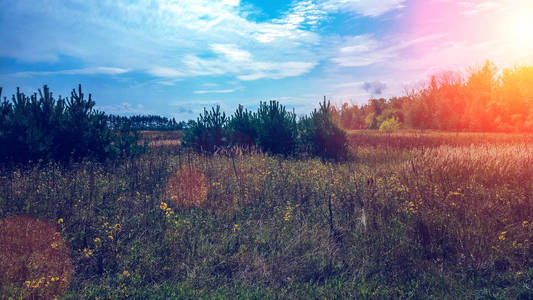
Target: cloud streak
<point>365,50</point>
<point>370,8</point>
<point>84,71</point>
<point>215,91</point>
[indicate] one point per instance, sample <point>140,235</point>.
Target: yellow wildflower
<point>110,237</point>
<point>60,221</point>
<point>87,252</point>
<point>126,273</point>
<point>236,227</point>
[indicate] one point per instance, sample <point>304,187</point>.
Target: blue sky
<point>175,57</point>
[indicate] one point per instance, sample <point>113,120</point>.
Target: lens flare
<point>34,259</point>
<point>518,32</point>
<point>187,187</point>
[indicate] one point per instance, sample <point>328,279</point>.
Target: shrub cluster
<point>325,138</point>
<point>272,128</point>
<point>42,127</point>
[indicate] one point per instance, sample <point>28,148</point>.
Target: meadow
<point>411,214</point>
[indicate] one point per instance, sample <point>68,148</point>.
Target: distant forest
<point>485,99</point>
<point>145,122</point>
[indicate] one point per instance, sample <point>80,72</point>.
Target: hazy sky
<point>175,57</point>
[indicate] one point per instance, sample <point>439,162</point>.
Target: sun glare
<point>519,33</point>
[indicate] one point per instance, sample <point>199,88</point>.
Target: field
<point>161,138</point>
<point>409,215</point>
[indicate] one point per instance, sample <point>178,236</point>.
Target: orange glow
<point>188,187</point>
<point>34,258</point>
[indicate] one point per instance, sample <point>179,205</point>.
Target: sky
<point>175,57</point>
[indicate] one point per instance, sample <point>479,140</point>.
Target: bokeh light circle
<point>35,260</point>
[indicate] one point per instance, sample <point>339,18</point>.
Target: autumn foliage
<point>482,99</point>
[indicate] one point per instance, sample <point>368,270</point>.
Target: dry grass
<point>171,138</point>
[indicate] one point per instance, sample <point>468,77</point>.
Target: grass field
<point>161,138</point>
<point>411,215</point>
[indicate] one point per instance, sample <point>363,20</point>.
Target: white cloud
<point>231,52</point>
<point>174,39</point>
<point>370,8</point>
<point>476,7</point>
<point>215,91</point>
<point>123,108</point>
<point>164,72</point>
<point>164,38</point>
<point>365,50</point>
<point>277,70</point>
<point>232,60</point>
<point>84,71</point>
<point>231,2</point>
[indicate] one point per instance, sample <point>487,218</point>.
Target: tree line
<point>146,122</point>
<point>483,99</point>
<point>43,127</point>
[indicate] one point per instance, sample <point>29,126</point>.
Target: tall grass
<point>448,219</point>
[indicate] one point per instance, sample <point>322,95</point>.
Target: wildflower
<point>87,253</point>
<point>60,221</point>
<point>126,273</point>
<point>502,236</point>
<point>97,240</point>
<point>168,212</point>
<point>118,227</point>
<point>525,223</point>
<point>519,273</point>
<point>163,206</point>
<point>110,237</point>
<point>288,212</point>
<point>236,227</point>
